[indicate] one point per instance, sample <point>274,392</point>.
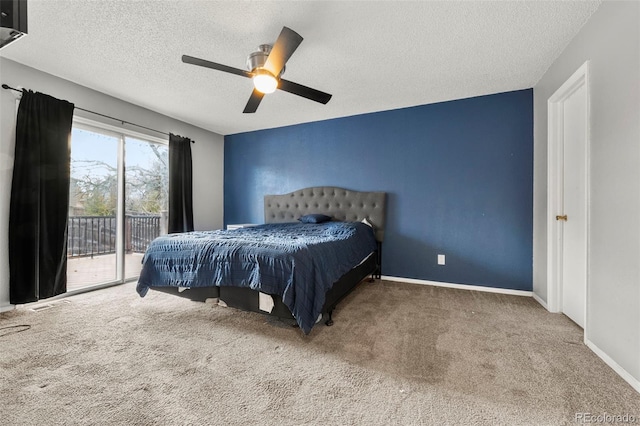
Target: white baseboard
<point>459,286</point>
<point>6,308</point>
<point>540,301</point>
<point>635,383</point>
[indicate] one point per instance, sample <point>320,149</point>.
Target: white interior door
<point>574,229</point>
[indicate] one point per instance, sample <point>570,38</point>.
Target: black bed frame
<point>340,203</point>
<point>247,299</point>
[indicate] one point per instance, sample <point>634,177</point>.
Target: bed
<point>283,268</point>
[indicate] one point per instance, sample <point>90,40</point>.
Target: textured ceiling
<point>371,55</point>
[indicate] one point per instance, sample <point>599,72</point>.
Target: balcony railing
<point>94,235</point>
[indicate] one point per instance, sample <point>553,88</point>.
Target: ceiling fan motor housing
<point>257,59</point>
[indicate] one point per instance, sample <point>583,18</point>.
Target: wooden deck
<point>87,271</point>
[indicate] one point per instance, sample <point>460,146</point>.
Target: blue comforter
<point>296,261</point>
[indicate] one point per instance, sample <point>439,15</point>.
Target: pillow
<point>367,222</point>
<point>315,218</point>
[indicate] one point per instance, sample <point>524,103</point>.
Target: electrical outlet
<point>441,259</point>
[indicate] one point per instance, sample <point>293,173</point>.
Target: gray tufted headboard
<point>339,203</point>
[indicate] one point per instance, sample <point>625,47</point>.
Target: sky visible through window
<point>87,146</point>
<point>94,174</point>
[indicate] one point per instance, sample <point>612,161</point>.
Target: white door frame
<point>555,166</point>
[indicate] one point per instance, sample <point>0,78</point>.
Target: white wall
<point>208,151</point>
<point>610,40</point>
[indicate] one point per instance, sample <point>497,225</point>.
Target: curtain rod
<point>7,87</point>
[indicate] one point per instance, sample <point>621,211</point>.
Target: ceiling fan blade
<point>304,91</point>
<point>208,64</point>
<point>254,101</point>
<point>287,43</point>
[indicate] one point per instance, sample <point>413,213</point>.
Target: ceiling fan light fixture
<point>264,81</point>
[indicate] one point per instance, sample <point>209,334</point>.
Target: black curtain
<point>180,185</point>
<point>40,198</point>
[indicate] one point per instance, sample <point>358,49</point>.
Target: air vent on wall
<point>13,20</point>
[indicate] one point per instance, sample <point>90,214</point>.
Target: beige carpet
<point>398,354</point>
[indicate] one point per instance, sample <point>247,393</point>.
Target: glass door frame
<point>121,134</point>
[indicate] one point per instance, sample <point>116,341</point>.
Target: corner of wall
<point>541,301</point>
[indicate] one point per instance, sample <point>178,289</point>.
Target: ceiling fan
<point>265,68</point>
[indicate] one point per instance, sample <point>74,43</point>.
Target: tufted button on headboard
<point>339,203</point>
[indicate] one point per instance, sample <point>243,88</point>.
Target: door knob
<point>562,217</point>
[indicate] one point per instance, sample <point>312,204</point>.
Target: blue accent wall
<point>459,178</point>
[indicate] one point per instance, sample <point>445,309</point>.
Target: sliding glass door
<point>117,204</point>
<point>146,198</point>
<point>93,207</point>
